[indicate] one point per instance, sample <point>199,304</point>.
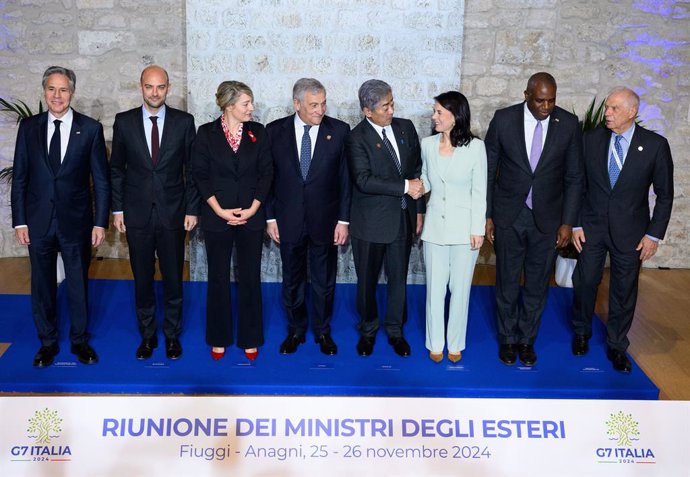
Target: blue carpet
<point>557,373</point>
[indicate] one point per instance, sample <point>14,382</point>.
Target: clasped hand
<point>415,188</point>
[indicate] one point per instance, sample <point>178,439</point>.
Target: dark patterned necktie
<point>305,152</point>
<point>394,156</point>
<point>55,149</point>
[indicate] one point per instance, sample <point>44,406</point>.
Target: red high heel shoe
<point>216,355</point>
<point>251,355</point>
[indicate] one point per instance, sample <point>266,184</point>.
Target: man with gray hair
<point>622,160</point>
<point>57,156</point>
<point>385,165</point>
<point>309,210</point>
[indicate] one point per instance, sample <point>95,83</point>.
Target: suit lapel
<point>401,141</point>
<point>140,136</point>
<point>43,139</point>
<point>73,142</point>
<point>322,139</point>
<point>291,153</point>
<point>519,120</point>
<point>551,134</point>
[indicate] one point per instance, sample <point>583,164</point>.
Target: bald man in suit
<point>155,203</point>
<point>59,155</point>
<point>622,161</point>
<point>534,153</point>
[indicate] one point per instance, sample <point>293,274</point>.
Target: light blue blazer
<point>457,204</point>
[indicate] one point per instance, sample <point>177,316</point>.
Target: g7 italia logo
<point>623,431</point>
<point>44,428</point>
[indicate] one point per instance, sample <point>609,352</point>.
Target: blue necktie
<point>55,150</point>
<point>614,170</point>
<point>305,152</point>
<point>394,156</point>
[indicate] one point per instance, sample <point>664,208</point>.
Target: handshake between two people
<point>416,188</point>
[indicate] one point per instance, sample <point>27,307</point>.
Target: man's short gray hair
<point>371,92</point>
<point>303,85</point>
<point>52,70</point>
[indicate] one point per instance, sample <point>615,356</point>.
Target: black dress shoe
<point>365,346</point>
<point>580,345</point>
<point>527,355</point>
<point>146,347</point>
<point>620,360</point>
<point>290,344</point>
<point>173,348</point>
<point>45,356</point>
<point>400,346</point>
<point>327,344</point>
<point>85,353</point>
<point>507,354</point>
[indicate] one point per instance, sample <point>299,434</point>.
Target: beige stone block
<point>112,21</point>
<point>490,86</point>
<point>94,4</point>
<point>521,47</point>
<point>96,43</point>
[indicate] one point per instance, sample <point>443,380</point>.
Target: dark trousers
<point>219,326</point>
<point>322,259</point>
<point>623,286</point>
<point>394,256</point>
<point>76,255</point>
<point>144,243</point>
<point>522,247</point>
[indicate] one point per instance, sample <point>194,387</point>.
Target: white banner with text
<point>340,436</point>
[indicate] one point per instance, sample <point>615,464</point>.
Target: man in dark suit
<point>535,176</point>
<point>622,161</point>
<point>155,203</point>
<point>57,155</point>
<point>385,164</point>
<point>309,210</point>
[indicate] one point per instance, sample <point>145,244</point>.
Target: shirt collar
<point>160,114</point>
<point>529,117</point>
<point>627,135</point>
<point>66,118</point>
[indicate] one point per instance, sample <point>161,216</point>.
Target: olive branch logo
<point>43,425</point>
<point>622,427</point>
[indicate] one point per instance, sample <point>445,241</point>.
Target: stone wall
<point>589,46</point>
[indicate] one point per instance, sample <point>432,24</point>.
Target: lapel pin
<point>378,144</point>
<point>328,138</point>
<point>556,120</point>
<point>640,148</point>
<point>78,132</point>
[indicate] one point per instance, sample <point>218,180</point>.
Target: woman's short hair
<point>230,91</point>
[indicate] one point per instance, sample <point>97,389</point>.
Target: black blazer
<point>138,185</point>
<point>319,202</point>
<point>235,179</point>
<point>378,187</point>
<point>37,191</point>
<point>624,210</point>
<point>557,181</point>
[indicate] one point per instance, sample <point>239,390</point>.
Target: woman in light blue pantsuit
<point>454,173</point>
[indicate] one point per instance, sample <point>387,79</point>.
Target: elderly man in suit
<point>57,155</point>
<point>385,165</point>
<point>309,209</point>
<point>535,176</point>
<point>155,203</point>
<point>622,161</point>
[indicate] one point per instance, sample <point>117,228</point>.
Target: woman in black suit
<point>233,170</point>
